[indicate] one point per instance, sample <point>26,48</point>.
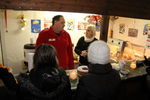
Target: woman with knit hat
<point>83,44</point>
<point>101,82</point>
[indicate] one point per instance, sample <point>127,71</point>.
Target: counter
<point>140,71</point>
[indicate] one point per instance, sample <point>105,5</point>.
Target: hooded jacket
<point>42,84</point>
<point>101,83</point>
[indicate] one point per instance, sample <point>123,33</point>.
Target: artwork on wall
<point>146,29</point>
<point>94,20</point>
<point>70,24</point>
<point>132,32</point>
<point>82,25</point>
<point>121,28</point>
<point>98,27</point>
<point>47,23</point>
<point>148,42</point>
<point>35,25</point>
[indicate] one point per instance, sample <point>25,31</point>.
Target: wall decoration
<point>94,20</point>
<point>70,24</point>
<point>148,41</point>
<point>47,23</point>
<point>121,28</point>
<point>22,22</point>
<point>146,29</point>
<point>82,25</point>
<point>35,25</point>
<point>98,27</point>
<point>132,32</point>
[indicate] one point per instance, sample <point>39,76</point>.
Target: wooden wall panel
<point>129,8</point>
<point>89,6</point>
<point>125,8</point>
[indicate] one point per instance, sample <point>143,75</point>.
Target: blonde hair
<point>93,29</point>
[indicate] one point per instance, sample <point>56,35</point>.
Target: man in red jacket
<point>60,39</point>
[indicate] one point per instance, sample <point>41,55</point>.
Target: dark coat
<point>9,87</point>
<point>101,83</point>
<point>82,45</point>
<point>44,85</point>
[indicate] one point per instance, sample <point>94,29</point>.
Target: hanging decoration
<point>22,22</point>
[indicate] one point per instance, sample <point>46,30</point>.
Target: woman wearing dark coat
<point>83,44</point>
<point>8,85</point>
<point>45,81</point>
<point>101,82</point>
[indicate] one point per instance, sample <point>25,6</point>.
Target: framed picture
<point>146,29</point>
<point>82,25</point>
<point>132,32</point>
<point>148,42</point>
<point>70,24</point>
<point>35,25</point>
<point>47,23</point>
<point>121,28</point>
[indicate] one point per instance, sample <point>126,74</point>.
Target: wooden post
<point>104,28</point>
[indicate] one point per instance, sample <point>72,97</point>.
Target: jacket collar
<point>52,31</point>
<point>99,68</point>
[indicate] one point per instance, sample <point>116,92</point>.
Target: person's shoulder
<point>81,38</point>
<point>61,71</point>
<point>95,39</point>
<point>85,77</point>
<point>65,33</point>
<point>115,73</point>
<point>44,31</point>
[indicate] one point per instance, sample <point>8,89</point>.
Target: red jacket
<point>62,44</point>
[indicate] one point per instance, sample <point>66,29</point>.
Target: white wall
<point>130,23</point>
<point>14,40</point>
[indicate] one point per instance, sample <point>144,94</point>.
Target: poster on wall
<point>70,24</point>
<point>94,20</point>
<point>82,25</point>
<point>132,32</point>
<point>148,42</point>
<point>146,29</point>
<point>121,28</point>
<point>35,25</point>
<point>47,23</point>
<point>97,27</point>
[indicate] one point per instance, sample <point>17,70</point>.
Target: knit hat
<point>98,53</point>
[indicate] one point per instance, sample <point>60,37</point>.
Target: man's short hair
<point>56,18</point>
